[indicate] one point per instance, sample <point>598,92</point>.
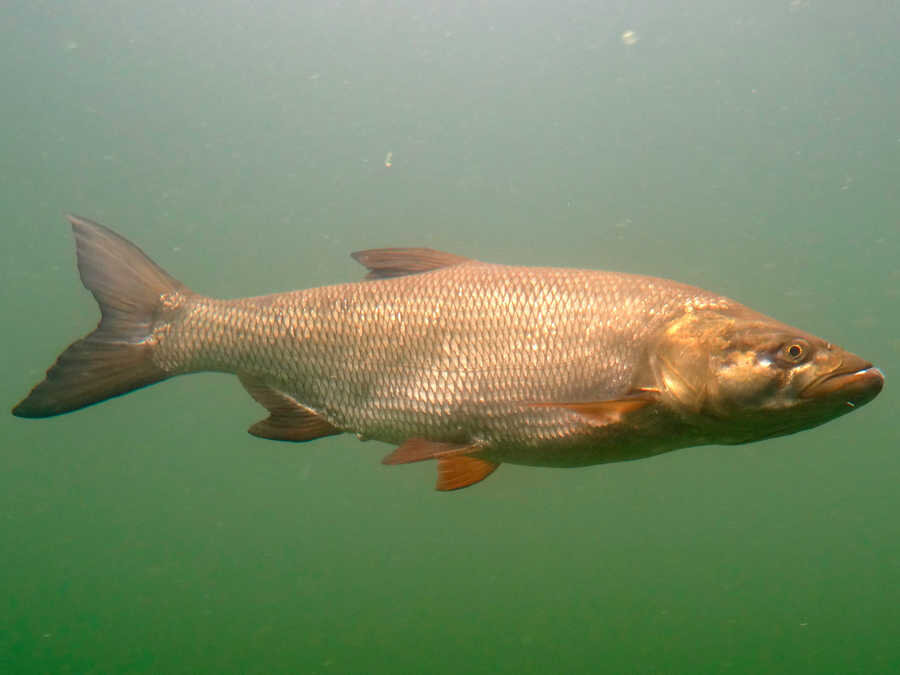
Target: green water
<point>749,148</point>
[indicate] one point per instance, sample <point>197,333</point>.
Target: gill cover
<point>742,376</point>
<point>722,363</point>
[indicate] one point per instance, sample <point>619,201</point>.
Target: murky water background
<point>750,150</point>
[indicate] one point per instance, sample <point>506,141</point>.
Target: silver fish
<point>469,363</point>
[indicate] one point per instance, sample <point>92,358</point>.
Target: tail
<point>118,356</point>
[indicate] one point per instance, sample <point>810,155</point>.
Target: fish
<point>467,363</point>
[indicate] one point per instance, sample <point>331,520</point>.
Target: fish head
<point>741,376</point>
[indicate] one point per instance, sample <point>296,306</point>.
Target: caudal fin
<point>117,357</point>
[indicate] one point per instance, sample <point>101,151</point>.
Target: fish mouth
<point>856,382</point>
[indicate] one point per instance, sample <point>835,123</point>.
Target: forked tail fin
<point>118,356</point>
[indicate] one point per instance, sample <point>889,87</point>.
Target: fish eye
<point>795,351</point>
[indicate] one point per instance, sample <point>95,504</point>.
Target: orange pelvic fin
<point>288,420</point>
<point>384,263</point>
<point>462,471</point>
<point>420,449</point>
<point>602,413</point>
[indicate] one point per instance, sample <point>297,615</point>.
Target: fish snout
<point>856,381</point>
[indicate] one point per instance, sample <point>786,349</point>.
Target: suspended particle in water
<point>629,38</point>
<point>389,160</point>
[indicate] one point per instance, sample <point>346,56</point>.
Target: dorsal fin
<point>288,420</point>
<point>384,263</point>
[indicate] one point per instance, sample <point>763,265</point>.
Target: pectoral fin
<point>420,449</point>
<point>602,413</point>
<point>289,420</point>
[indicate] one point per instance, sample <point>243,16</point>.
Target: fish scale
<point>453,354</point>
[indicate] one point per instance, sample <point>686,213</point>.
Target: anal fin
<point>462,471</point>
<point>288,419</point>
